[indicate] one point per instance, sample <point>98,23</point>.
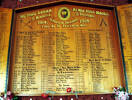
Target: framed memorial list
<point>65,45</point>
<point>5,26</point>
<point>125,21</point>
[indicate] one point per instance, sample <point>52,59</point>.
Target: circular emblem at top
<point>64,13</point>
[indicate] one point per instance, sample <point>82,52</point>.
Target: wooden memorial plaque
<point>5,26</point>
<point>125,21</point>
<point>65,46</point>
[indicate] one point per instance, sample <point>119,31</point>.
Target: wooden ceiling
<point>24,3</point>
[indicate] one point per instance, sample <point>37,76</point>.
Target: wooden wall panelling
<point>96,97</point>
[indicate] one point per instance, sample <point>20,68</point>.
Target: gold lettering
<point>70,25</point>
<point>70,22</point>
<point>90,11</point>
<point>42,22</point>
<point>74,9</point>
<point>32,14</point>
<point>43,16</point>
<point>87,15</point>
<point>82,25</point>
<point>22,16</point>
<point>84,21</point>
<point>37,17</point>
<point>58,26</point>
<point>56,22</point>
<point>81,10</point>
<point>44,11</point>
<point>45,26</point>
<point>102,13</point>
